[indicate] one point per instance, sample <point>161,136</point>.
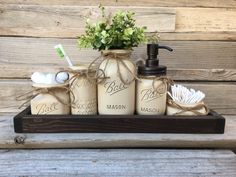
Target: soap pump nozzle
<point>165,47</point>
<point>152,52</point>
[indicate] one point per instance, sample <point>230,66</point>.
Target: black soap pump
<point>149,101</point>
<point>152,67</point>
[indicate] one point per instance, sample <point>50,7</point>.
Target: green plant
<point>116,32</point>
<point>153,38</point>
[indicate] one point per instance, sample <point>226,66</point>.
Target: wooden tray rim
<point>26,114</point>
<point>85,123</point>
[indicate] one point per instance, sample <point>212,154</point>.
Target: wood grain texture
<point>205,19</point>
<point>220,96</point>
<point>9,139</point>
<point>22,71</point>
<point>203,36</point>
<point>24,122</point>
<point>203,74</point>
<point>191,60</point>
<point>117,162</point>
<point>70,20</point>
<point>160,3</point>
<point>48,19</point>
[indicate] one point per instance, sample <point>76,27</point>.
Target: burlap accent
<point>181,110</point>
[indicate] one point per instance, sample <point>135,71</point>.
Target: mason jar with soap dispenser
<point>151,88</point>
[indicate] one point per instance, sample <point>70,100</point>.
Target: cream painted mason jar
<point>83,91</point>
<point>151,96</point>
<point>116,92</point>
<point>50,99</point>
<point>153,83</point>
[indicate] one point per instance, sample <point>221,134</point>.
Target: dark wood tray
<point>24,122</point>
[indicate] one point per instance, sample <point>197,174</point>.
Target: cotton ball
<point>38,77</point>
<point>35,76</point>
<point>62,77</point>
<point>50,79</point>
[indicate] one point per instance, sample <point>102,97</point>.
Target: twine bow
<point>166,81</point>
<point>184,109</point>
<point>87,73</point>
<point>78,73</point>
<point>119,57</point>
<point>28,96</point>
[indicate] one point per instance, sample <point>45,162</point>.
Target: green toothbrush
<point>62,54</point>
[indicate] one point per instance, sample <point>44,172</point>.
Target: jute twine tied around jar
<point>89,74</point>
<point>28,96</point>
<point>183,109</point>
<point>166,81</point>
<point>119,57</point>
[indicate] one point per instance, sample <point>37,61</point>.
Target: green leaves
<point>119,32</point>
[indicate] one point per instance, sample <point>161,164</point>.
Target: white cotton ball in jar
<point>50,79</point>
<point>62,77</point>
<point>38,77</point>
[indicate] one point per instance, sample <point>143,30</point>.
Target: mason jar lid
<point>49,85</point>
<point>152,71</point>
<point>79,67</point>
<point>117,51</point>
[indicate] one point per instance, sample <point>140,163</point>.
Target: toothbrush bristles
<point>184,95</point>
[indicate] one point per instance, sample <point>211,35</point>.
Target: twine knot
<point>28,96</point>
<point>193,109</point>
<point>119,56</point>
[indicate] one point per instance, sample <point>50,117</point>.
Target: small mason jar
<point>50,99</point>
<point>151,96</point>
<point>83,90</point>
